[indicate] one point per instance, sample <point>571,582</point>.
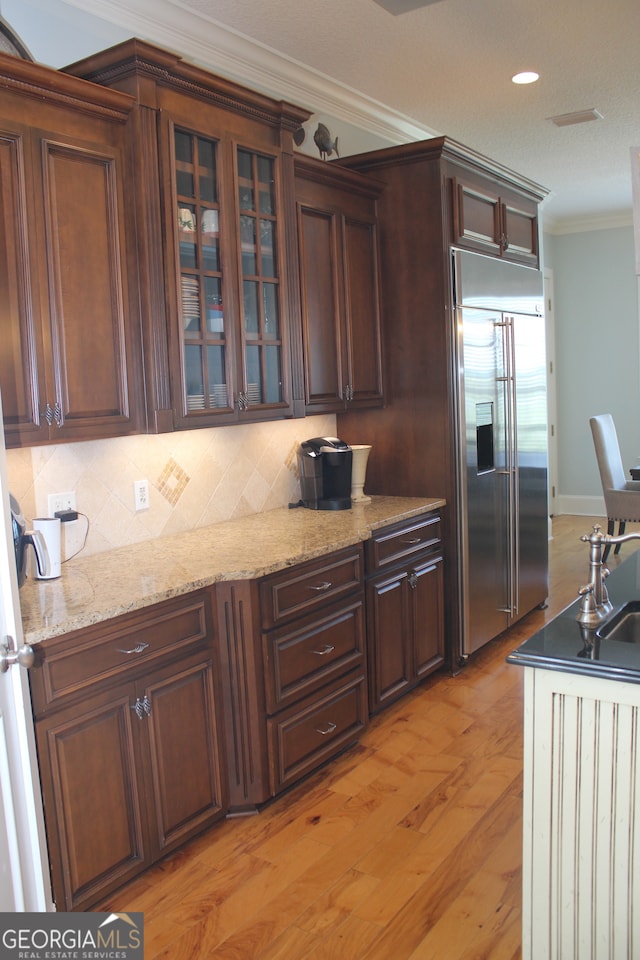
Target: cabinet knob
<point>413,580</point>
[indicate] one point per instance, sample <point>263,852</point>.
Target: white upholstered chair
<point>621,496</point>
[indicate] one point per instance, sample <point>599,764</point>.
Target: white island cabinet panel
<point>581,858</point>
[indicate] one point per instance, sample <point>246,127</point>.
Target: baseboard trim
<point>581,506</point>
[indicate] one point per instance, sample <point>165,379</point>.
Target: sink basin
<point>623,625</point>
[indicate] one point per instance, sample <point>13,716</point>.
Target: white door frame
<point>552,433</point>
<point>24,865</point>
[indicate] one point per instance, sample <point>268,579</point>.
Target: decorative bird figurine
<point>324,143</point>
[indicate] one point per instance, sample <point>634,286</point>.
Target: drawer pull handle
<point>321,587</point>
<point>328,648</point>
<point>328,729</point>
<point>414,540</point>
<point>139,647</point>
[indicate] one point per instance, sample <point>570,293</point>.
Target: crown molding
<point>607,221</point>
<point>217,47</point>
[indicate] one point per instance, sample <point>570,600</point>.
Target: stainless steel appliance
<point>325,473</point>
<point>23,538</point>
<point>501,444</point>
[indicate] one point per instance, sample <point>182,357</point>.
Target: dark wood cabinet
<point>243,694</point>
<point>213,171</point>
<point>152,726</point>
<point>293,649</point>
<point>70,366</point>
<point>314,663</point>
<point>405,608</point>
<point>494,220</point>
<point>414,445</point>
<point>127,733</point>
<point>314,730</point>
<point>95,814</point>
<point>339,284</point>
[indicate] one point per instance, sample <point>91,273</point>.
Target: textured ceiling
<point>443,67</point>
<point>448,66</point>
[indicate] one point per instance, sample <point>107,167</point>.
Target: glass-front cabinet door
<point>261,329</point>
<point>229,281</point>
<point>205,353</point>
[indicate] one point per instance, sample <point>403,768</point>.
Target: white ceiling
<point>444,68</point>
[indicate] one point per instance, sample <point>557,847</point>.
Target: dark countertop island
<point>567,646</point>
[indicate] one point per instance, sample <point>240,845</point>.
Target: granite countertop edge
<point>106,585</point>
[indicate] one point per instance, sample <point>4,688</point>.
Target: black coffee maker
<point>325,473</point>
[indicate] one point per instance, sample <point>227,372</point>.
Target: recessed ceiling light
<point>527,76</point>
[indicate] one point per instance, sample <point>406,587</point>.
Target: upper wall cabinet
<point>213,169</point>
<point>70,364</point>
<point>339,287</point>
<point>494,219</point>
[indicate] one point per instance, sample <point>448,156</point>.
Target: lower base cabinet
<point>128,750</point>
<point>313,657</point>
<point>405,612</point>
<point>293,650</point>
<point>152,726</point>
<point>309,733</point>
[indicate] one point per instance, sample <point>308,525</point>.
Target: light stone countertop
<point>105,585</point>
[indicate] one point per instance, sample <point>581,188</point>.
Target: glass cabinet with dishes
<point>200,301</point>
<point>213,165</point>
<point>260,279</point>
<point>230,362</point>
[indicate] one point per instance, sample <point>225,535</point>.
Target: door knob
<point>9,655</point>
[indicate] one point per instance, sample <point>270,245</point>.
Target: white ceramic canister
<point>49,527</point>
<point>361,453</point>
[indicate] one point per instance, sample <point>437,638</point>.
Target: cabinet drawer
<point>303,737</point>
<point>307,586</point>
<point>67,665</point>
<point>396,543</point>
<point>309,653</point>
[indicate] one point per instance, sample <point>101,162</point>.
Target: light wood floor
<point>407,847</point>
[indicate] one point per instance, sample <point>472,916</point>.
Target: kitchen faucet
<point>595,604</point>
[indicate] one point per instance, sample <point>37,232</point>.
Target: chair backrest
<point>608,456</point>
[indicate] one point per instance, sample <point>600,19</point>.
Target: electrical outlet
<point>141,494</point>
<point>61,501</point>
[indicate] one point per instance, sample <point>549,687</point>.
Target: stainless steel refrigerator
<point>501,444</point>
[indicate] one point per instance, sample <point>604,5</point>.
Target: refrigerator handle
<point>512,458</point>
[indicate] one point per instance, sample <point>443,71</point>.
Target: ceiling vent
<point>396,7</point>
<point>580,116</point>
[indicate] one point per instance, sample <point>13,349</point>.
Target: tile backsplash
<point>196,477</point>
